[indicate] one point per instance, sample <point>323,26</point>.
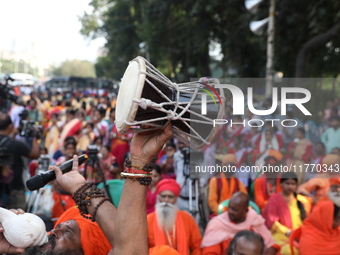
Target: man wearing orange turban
<point>320,232</point>
<point>225,185</point>
<point>170,226</point>
<point>92,238</point>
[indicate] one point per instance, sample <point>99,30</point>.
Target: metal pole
<point>270,49</point>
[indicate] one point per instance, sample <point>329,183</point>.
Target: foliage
<point>178,34</point>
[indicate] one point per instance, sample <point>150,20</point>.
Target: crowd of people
<point>262,212</point>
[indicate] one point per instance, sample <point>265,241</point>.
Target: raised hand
<point>145,146</point>
<point>70,181</point>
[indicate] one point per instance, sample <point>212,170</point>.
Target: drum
<point>147,97</point>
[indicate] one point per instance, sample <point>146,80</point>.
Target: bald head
<point>238,207</point>
<point>246,242</point>
<point>240,198</point>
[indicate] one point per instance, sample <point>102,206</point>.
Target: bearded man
<point>170,226</point>
<point>334,191</point>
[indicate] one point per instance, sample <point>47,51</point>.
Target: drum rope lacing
<point>184,88</point>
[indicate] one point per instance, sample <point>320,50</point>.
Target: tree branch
<point>311,45</point>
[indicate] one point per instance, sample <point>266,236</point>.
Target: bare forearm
<point>131,217</point>
<point>35,151</point>
<point>105,217</point>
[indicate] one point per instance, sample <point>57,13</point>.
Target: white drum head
<point>131,88</point>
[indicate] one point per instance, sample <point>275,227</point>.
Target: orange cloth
<point>319,184</point>
<point>229,158</point>
<point>217,249</point>
<point>92,238</point>
<point>187,234</point>
<point>317,235</point>
<point>334,181</point>
<point>229,187</point>
<point>261,194</point>
<point>163,250</point>
<point>168,184</point>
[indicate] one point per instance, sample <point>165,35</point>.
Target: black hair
<point>157,168</point>
<point>112,110</point>
<point>107,147</point>
<point>91,124</point>
<point>250,236</point>
<point>69,138</point>
<point>172,145</point>
<point>55,114</point>
<point>5,121</point>
<point>321,144</point>
<point>70,111</point>
<point>70,143</point>
<point>301,130</point>
<point>97,138</point>
<point>292,176</point>
<point>102,111</point>
<point>337,118</point>
<point>32,100</point>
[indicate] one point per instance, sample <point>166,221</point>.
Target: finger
<point>20,211</point>
<point>57,171</point>
<point>58,163</point>
<point>15,250</point>
<point>14,211</point>
<point>166,134</point>
<point>75,164</point>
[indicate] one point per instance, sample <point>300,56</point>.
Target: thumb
<point>75,165</point>
<point>15,250</point>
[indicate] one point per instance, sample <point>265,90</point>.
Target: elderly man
<point>334,191</point>
<point>125,228</point>
<point>246,242</point>
<point>222,228</point>
<point>170,226</point>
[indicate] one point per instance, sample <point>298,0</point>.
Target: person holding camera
<point>14,151</point>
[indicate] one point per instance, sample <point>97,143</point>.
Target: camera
<point>191,159</point>
<point>44,162</point>
<point>5,91</point>
<point>28,128</point>
<point>92,151</point>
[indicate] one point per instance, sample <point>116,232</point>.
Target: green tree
<point>178,35</point>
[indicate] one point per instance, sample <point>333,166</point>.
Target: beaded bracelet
<point>83,199</point>
<point>132,175</point>
<point>143,179</point>
<point>93,219</point>
<point>135,171</point>
<point>146,168</point>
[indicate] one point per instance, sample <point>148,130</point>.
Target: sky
<point>46,28</point>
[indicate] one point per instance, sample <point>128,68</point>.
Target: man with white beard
<point>170,226</point>
<point>334,191</point>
